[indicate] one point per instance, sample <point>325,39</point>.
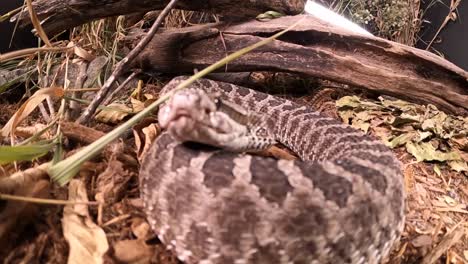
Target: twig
<point>453,6</point>
<point>26,52</point>
<point>42,200</point>
<point>100,96</point>
<point>121,86</point>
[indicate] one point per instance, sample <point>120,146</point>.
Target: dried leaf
<point>425,151</point>
<point>435,124</point>
<point>403,119</point>
<point>28,106</point>
<point>398,104</point>
<point>423,135</point>
<point>269,15</point>
<point>144,139</point>
<point>458,165</point>
<point>361,125</point>
<point>111,183</point>
<point>114,113</point>
<point>137,105</point>
<point>87,241</point>
<point>348,102</point>
<point>82,53</point>
<point>28,131</point>
<point>402,139</point>
<point>382,132</point>
<point>437,170</point>
<point>133,251</point>
<point>346,116</point>
<point>141,229</point>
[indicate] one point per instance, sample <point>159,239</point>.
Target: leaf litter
<point>433,148</point>
<point>427,133</point>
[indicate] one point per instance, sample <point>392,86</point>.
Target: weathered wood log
<point>59,15</point>
<point>314,48</point>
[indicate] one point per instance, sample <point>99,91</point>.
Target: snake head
<point>193,115</point>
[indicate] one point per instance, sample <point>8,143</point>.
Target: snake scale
<point>343,202</point>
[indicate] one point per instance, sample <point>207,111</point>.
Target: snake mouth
<point>186,105</point>
<point>182,117</point>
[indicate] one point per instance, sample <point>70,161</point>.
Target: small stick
<point>100,96</point>
<point>129,78</point>
<point>42,200</point>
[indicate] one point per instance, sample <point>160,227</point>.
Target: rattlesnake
<point>343,203</point>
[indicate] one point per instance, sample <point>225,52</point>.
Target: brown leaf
<point>137,105</point>
<point>425,151</point>
<point>112,182</point>
<point>145,138</point>
<point>140,228</point>
<point>87,241</point>
<point>133,251</point>
<point>82,53</point>
<point>145,133</point>
<point>114,113</point>
<point>28,106</point>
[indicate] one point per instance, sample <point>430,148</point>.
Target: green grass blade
<point>10,154</point>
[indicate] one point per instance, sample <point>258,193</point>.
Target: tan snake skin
<point>343,203</point>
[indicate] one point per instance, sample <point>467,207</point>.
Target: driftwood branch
<point>58,15</point>
<point>314,49</point>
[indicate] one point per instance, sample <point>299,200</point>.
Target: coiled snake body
<point>343,203</point>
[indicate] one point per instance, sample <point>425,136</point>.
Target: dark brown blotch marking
<point>238,214</point>
<point>294,118</point>
<point>361,221</point>
<point>272,183</point>
<point>267,254</point>
<point>197,241</point>
<point>226,88</point>
<point>384,160</point>
<point>218,171</point>
<point>258,97</point>
<point>290,107</point>
<point>377,180</point>
<point>163,141</point>
<point>334,187</point>
<point>326,122</point>
<point>341,130</point>
<point>300,226</point>
<point>355,143</point>
<point>182,156</point>
<point>243,91</point>
<point>275,102</point>
<point>355,140</point>
<point>205,83</point>
<point>341,249</point>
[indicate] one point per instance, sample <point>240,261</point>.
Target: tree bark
<point>317,49</point>
<point>64,14</point>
